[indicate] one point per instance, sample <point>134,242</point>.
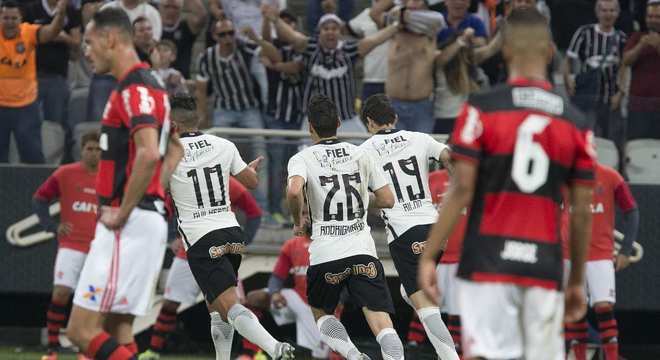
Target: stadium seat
<point>78,131</point>
<point>607,152</point>
<point>78,105</point>
<point>643,161</point>
<point>52,138</point>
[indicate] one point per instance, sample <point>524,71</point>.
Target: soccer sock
<point>55,320</point>
<point>222,334</point>
<point>104,347</point>
<point>390,345</point>
<point>165,325</point>
<point>132,347</point>
<point>576,335</point>
<point>609,331</point>
<point>247,324</point>
<point>416,330</point>
<point>334,334</point>
<point>437,332</point>
<point>454,326</point>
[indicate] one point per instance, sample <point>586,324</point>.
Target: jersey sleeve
<point>283,264</point>
<point>50,189</point>
<point>377,178</point>
<point>297,167</point>
<point>433,147</point>
<point>237,163</point>
<point>466,139</point>
<point>583,168</point>
<point>622,195</point>
<point>141,106</point>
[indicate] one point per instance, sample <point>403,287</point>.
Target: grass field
<point>12,353</point>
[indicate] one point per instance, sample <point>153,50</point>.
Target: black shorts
<point>405,251</point>
<point>214,260</point>
<point>362,275</point>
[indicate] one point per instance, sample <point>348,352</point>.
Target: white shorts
<point>181,286</point>
<point>68,265</point>
<point>447,284</point>
<point>122,267</point>
<point>600,278</point>
<point>505,321</point>
<point>307,332</point>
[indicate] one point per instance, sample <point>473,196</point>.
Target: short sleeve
<point>283,264</point>
<point>30,33</point>
<point>622,195</point>
<point>433,147</point>
<point>576,44</point>
<point>583,168</point>
<point>350,47</point>
<point>50,189</point>
<point>297,167</point>
<point>140,106</point>
<point>633,40</point>
<point>203,67</point>
<point>237,163</point>
<point>466,139</point>
<point>377,178</point>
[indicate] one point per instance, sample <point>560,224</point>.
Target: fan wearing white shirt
<point>403,158</point>
<point>336,178</point>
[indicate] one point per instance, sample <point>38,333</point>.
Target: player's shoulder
<point>143,77</point>
<point>608,172</point>
<point>68,169</point>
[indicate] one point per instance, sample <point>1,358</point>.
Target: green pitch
<point>13,353</point>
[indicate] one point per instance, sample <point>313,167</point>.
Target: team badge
<point>20,47</point>
<point>92,292</point>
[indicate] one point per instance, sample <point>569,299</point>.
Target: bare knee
<point>377,320</point>
<point>61,294</point>
<point>258,299</point>
<point>224,302</point>
<point>83,326</point>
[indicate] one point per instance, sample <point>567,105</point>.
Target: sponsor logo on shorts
<point>93,293</point>
<point>123,301</point>
<point>519,251</point>
<point>418,247</point>
<point>229,248</point>
<point>369,270</point>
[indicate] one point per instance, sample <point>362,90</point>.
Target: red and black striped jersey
<point>527,141</point>
<point>138,101</point>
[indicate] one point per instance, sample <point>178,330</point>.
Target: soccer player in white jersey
<point>336,177</point>
<point>403,157</point>
<point>211,235</point>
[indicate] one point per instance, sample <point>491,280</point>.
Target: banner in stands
<point>28,269</point>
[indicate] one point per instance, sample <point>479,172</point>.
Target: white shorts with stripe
<point>122,267</point>
<point>68,265</point>
<point>447,284</point>
<point>181,286</point>
<point>600,280</point>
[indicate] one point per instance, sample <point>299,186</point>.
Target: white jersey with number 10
<point>404,159</point>
<point>338,177</point>
<point>200,185</point>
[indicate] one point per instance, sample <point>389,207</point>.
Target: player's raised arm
<point>248,176</point>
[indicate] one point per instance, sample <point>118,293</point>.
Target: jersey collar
<point>190,134</point>
<point>521,81</point>
<point>139,65</point>
<point>387,131</point>
<point>328,141</point>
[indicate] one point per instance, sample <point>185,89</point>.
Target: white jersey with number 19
<point>404,159</point>
<point>338,177</point>
<point>200,185</point>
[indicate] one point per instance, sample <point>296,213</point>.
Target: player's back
<point>404,157</point>
<point>338,178</point>
<point>528,142</point>
<point>200,184</point>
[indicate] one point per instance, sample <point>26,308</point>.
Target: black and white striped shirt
<point>285,90</point>
<point>589,44</point>
<point>231,78</point>
<point>331,73</point>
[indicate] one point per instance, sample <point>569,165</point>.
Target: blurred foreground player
<point>610,191</point>
<point>73,185</point>
<point>510,271</point>
<point>213,240</point>
<point>138,156</point>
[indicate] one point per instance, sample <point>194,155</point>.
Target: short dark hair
<point>184,110</point>
<point>526,17</point>
<point>113,18</point>
<point>168,44</point>
<point>379,109</point>
<point>91,135</point>
<point>322,115</point>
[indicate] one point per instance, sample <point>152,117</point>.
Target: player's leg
<point>602,296</point>
<point>448,288</point>
<point>489,333</point>
<point>576,334</point>
<point>120,326</point>
<point>307,333</point>
<point>542,320</point>
<point>85,330</point>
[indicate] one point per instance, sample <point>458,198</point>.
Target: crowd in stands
<point>253,64</point>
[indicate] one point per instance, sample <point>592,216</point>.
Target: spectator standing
<point>329,63</point>
<point>53,65</point>
<point>642,54</point>
<point>19,109</point>
<point>137,8</point>
<point>458,19</point>
<point>317,8</point>
<point>182,30</point>
<point>595,89</point>
<point>143,38</point>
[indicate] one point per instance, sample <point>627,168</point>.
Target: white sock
<point>437,332</point>
<point>390,345</point>
<point>334,334</point>
<point>222,334</point>
<point>247,324</point>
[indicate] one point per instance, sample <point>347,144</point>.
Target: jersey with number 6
<point>404,159</point>
<point>338,177</point>
<point>527,141</point>
<point>200,185</point>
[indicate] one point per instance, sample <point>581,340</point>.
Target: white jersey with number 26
<point>200,185</point>
<point>403,157</point>
<point>338,177</point>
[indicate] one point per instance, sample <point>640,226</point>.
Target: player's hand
<point>278,300</point>
<point>111,218</point>
<point>575,303</point>
<point>64,228</point>
<point>427,279</point>
<point>622,262</point>
<point>255,163</point>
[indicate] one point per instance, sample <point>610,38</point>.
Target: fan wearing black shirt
<point>182,30</point>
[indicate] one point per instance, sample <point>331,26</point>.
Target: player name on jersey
<point>342,230</point>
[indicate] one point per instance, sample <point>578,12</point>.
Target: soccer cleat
<point>149,355</point>
<point>284,351</point>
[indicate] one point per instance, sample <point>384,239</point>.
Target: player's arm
<point>280,273</point>
<point>626,203</point>
<point>49,32</point>
<point>580,231</point>
<point>196,15</point>
<point>295,198</point>
<point>172,157</point>
<point>48,192</point>
<point>382,199</point>
<point>248,176</point>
